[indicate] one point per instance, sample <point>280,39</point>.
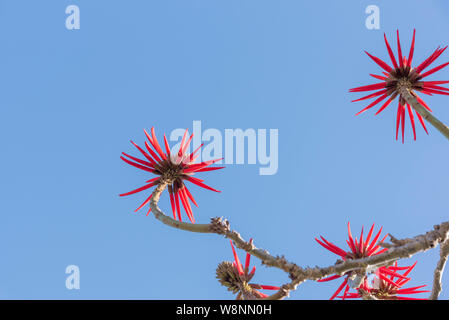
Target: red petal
<point>144,203</point>
<point>182,143</point>
<point>351,241</point>
<point>422,122</point>
<point>372,95</point>
<point>153,154</point>
<point>434,70</point>
<point>253,270</point>
<point>269,287</point>
<point>422,102</point>
<point>390,52</point>
<point>373,250</point>
<point>236,258</point>
<point>188,203</point>
<point>198,166</point>
<point>339,289</point>
<point>391,273</point>
<point>383,107</point>
<point>372,104</point>
<point>410,290</point>
<point>248,257</point>
<point>178,208</point>
<point>186,145</point>
<point>387,280</point>
<point>410,269</point>
<point>374,240</point>
<point>145,163</point>
<point>185,204</point>
<point>156,145</point>
<point>167,147</point>
<point>209,169</point>
<point>146,155</point>
<point>381,63</point>
<point>412,120</point>
<point>138,189</point>
<point>198,183</point>
<point>399,50</point>
<point>361,241</point>
<point>190,196</point>
<point>369,87</point>
<point>430,59</point>
<point>403,121</point>
<point>398,120</point>
<point>330,248</point>
<point>434,91</point>
<point>378,77</point>
<point>435,82</point>
<point>330,244</point>
<point>137,165</point>
<point>193,153</point>
<point>172,202</point>
<point>345,292</point>
<point>368,237</point>
<point>412,49</point>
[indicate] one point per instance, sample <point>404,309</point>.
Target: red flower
<point>399,76</point>
<point>245,276</point>
<point>358,249</point>
<point>387,285</point>
<point>174,168</point>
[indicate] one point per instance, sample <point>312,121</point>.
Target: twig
<point>401,248</point>
<point>201,228</point>
<point>438,274</point>
<point>395,242</point>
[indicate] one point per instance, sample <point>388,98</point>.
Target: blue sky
<point>72,99</point>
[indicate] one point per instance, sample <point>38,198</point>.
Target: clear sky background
<point>70,101</point>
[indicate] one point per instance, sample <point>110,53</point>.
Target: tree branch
<point>398,250</point>
<point>438,274</point>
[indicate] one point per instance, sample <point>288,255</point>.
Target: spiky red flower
<point>402,75</point>
<point>387,285</point>
<point>172,167</point>
<point>358,249</point>
<point>246,276</point>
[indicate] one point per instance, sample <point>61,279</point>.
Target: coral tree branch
<point>398,250</point>
<point>438,273</point>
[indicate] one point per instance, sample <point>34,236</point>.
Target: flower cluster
<point>403,76</point>
<point>236,278</point>
<point>387,282</point>
<point>358,249</point>
<point>173,168</point>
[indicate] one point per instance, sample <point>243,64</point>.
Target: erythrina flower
<point>173,168</point>
<point>361,248</point>
<point>403,75</point>
<point>387,285</point>
<point>236,278</point>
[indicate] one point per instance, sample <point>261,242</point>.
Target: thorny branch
<point>398,249</point>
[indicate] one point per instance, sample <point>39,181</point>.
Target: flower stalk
<point>158,214</point>
<point>411,100</point>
